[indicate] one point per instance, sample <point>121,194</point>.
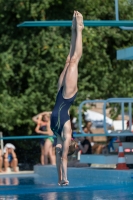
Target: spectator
<point>72,147</point>
<point>1,161</point>
<point>73,126</point>
<point>96,148</point>
<point>10,158</point>
<point>77,146</point>
<point>43,128</point>
<point>84,145</point>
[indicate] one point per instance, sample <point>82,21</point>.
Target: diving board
<point>67,23</point>
<point>125,54</point>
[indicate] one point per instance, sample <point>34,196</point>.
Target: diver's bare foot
<point>74,21</point>
<point>79,20</point>
<point>64,183</point>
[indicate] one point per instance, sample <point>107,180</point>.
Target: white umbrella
<point>8,145</point>
<point>95,116</point>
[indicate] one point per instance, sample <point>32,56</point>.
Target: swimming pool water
<point>83,195</point>
<point>36,187</point>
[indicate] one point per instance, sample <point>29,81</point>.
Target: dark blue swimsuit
<point>60,112</point>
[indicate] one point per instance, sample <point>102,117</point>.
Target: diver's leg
<point>66,136</point>
<point>58,150</point>
<point>72,48</point>
<point>71,76</point>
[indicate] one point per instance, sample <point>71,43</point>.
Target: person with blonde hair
<point>43,128</point>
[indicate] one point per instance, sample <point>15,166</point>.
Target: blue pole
<point>122,113</point>
<point>117,16</point>
<point>104,122</point>
<point>126,133</point>
<point>130,116</point>
<point>116,10</point>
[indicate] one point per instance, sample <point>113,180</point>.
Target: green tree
<point>31,59</point>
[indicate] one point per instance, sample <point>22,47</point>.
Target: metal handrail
<point>1,142</point>
<point>117,17</point>
<point>121,101</point>
<point>106,133</point>
<point>80,115</point>
<point>113,133</point>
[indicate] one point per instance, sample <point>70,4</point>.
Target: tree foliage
<point>31,59</point>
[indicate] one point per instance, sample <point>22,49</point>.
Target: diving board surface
<point>68,23</point>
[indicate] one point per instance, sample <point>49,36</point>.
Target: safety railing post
<point>1,141</point>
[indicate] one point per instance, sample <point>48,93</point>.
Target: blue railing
<point>121,101</point>
<point>117,16</point>
<point>25,137</point>
<point>80,117</point>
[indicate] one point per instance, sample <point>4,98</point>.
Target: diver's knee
<point>74,59</point>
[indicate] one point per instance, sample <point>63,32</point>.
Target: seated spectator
<point>1,161</point>
<point>10,158</point>
<point>84,145</point>
<point>72,147</point>
<point>73,126</point>
<point>96,148</point>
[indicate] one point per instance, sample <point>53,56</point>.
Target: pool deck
<point>17,174</point>
<point>85,172</point>
<point>49,171</point>
<point>32,172</point>
<point>71,164</point>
